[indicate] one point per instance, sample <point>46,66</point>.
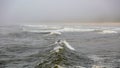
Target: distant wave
<point>46,29</point>
<point>67,29</point>
<point>40,28</point>
<point>107,32</point>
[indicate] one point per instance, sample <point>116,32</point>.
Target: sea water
<point>26,46</point>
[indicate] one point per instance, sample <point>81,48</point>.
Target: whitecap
<point>68,45</point>
<point>66,29</point>
<point>64,43</point>
<point>55,32</point>
<point>107,32</point>
<point>41,29</point>
<point>57,49</point>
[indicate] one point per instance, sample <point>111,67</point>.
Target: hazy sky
<point>59,10</point>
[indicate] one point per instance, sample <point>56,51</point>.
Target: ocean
<point>34,46</point>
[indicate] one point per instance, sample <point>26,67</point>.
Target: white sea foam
<point>41,29</point>
<point>55,32</point>
<point>44,26</point>
<point>107,32</point>
<point>68,45</point>
<point>64,43</point>
<point>58,29</point>
<point>57,49</point>
<point>66,29</point>
<point>61,44</point>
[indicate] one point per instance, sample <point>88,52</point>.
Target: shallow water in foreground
<point>24,49</point>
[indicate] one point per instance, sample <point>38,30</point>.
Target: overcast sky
<point>59,10</point>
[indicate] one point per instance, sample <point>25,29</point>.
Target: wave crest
<point>60,56</point>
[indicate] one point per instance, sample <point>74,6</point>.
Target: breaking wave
<point>36,46</point>
<point>107,32</point>
<point>58,29</point>
<point>53,29</point>
<point>62,55</point>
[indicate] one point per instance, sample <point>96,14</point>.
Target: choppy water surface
<point>29,46</point>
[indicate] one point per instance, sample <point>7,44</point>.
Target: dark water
<point>22,49</point>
